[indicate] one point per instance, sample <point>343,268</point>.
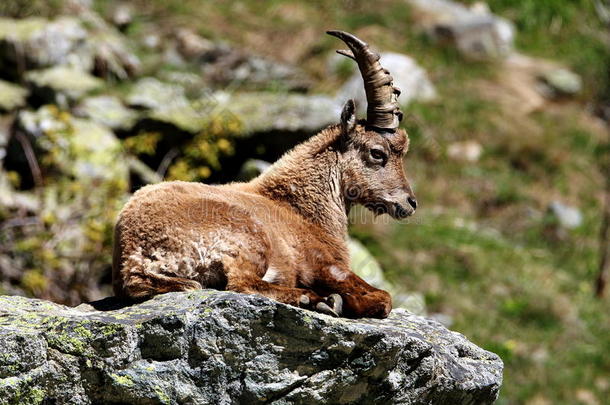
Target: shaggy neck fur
<point>308,178</point>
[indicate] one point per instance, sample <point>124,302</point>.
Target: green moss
<point>66,343</point>
<point>124,380</point>
<point>112,329</point>
<point>82,331</point>
<point>162,395</point>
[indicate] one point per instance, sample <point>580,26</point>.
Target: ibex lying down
<point>283,234</point>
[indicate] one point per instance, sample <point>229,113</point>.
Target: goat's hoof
<point>325,309</point>
<point>336,302</point>
<point>304,301</point>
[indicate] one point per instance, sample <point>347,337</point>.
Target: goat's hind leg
<point>140,287</point>
<point>244,276</point>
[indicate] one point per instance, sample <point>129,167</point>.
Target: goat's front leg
<point>360,299</point>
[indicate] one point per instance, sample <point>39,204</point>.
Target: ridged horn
<point>383,110</point>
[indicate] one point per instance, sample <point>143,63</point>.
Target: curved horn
<point>383,110</point>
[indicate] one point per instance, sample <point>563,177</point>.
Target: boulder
<point>61,84</point>
<point>214,347</point>
<point>475,31</point>
<point>409,77</point>
<point>259,112</point>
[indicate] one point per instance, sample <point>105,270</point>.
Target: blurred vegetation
<point>482,248</point>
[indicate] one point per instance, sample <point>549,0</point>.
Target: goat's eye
<point>378,155</point>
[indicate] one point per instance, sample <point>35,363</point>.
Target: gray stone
<point>561,82</point>
<point>567,216</point>
<point>169,104</point>
<point>11,96</point>
<point>475,31</point>
<point>409,77</point>
<point>61,84</point>
<point>108,111</point>
<point>213,347</point>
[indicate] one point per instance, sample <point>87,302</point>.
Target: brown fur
<point>281,235</point>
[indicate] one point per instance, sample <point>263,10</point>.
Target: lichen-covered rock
<point>152,93</point>
<point>260,112</point>
<point>212,347</point>
<point>11,96</point>
<point>108,111</point>
<point>61,84</point>
<point>76,147</point>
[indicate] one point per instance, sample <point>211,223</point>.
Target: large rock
<point>475,31</point>
<point>168,104</point>
<point>212,347</point>
<point>409,77</point>
<point>260,112</point>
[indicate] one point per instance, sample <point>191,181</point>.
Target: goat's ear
<point>348,117</point>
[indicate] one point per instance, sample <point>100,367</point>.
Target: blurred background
<point>506,104</point>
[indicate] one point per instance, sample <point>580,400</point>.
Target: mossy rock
<point>108,111</point>
<point>11,96</point>
<point>61,84</point>
<point>218,347</point>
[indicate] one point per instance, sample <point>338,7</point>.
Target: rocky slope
<point>222,348</point>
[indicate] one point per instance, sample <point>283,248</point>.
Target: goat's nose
<point>412,202</point>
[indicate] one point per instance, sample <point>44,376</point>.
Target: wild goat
<point>283,234</point>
